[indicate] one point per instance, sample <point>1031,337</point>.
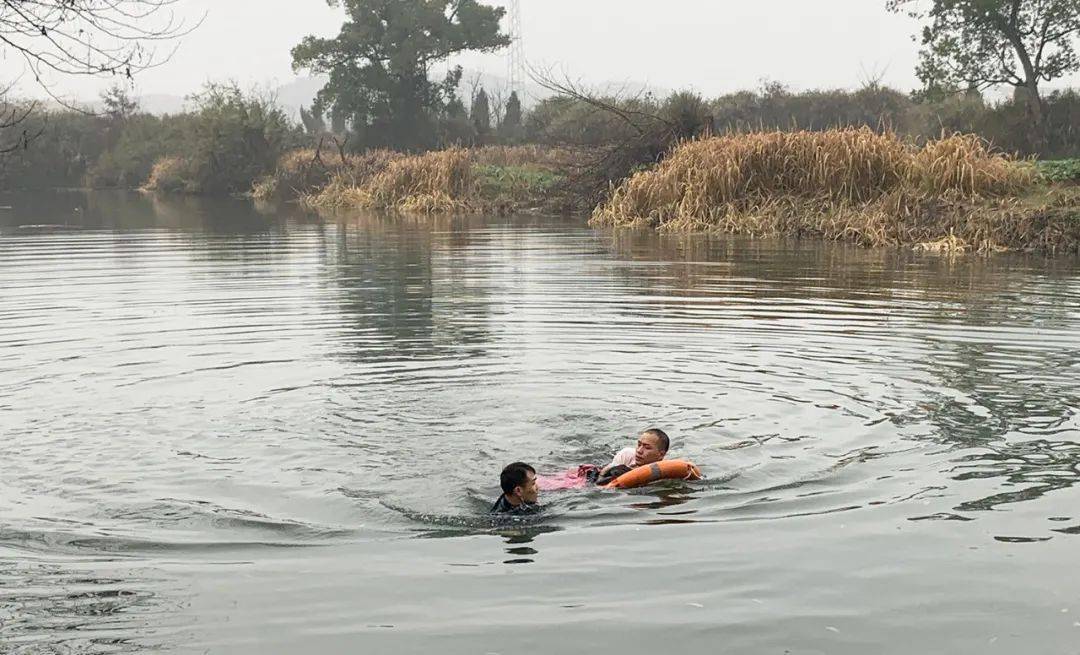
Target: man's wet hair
<point>515,475</point>
<point>661,436</point>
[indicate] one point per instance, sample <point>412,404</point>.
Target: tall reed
<point>853,184</point>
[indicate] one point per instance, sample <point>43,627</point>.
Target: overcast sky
<point>712,46</point>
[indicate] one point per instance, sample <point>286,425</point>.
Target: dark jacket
<point>503,506</point>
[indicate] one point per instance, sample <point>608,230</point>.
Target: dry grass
<point>456,180</point>
<point>532,156</point>
<point>298,172</point>
<point>964,163</point>
<point>168,175</point>
<point>347,184</point>
<point>431,183</point>
<point>304,171</point>
<point>854,185</point>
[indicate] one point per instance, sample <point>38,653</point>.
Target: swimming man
<point>520,493</point>
<point>652,446</point>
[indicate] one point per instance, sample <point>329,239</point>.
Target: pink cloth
<point>571,479</point>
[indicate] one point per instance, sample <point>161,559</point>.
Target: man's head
<point>518,482</point>
<point>652,446</point>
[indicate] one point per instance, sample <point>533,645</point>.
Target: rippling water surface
<point>234,429</point>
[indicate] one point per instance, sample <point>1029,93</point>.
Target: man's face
<point>529,491</point>
<point>648,450</point>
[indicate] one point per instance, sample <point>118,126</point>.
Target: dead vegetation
<point>456,180</point>
<point>858,185</point>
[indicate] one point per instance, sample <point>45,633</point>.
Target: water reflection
<point>36,212</point>
<point>1039,467</point>
<point>406,284</point>
<point>189,381</point>
<point>978,380</point>
<point>522,542</point>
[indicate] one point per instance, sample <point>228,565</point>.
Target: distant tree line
<point>231,137</point>
<point>381,93</point>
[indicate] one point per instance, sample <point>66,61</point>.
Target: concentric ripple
<point>192,389</point>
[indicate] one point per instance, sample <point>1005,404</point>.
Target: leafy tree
<point>231,140</point>
<point>142,140</point>
<point>980,43</point>
<point>687,113</point>
<point>455,128</point>
<point>511,129</point>
<point>380,61</point>
<point>481,114</point>
<point>119,106</point>
<point>512,118</point>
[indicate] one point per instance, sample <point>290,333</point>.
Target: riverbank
<point>954,194</point>
<point>492,179</point>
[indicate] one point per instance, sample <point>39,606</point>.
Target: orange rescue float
<point>668,469</point>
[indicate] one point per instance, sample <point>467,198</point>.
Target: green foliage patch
<point>1062,170</point>
<point>514,182</point>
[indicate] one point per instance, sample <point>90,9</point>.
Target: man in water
<point>652,446</point>
<point>518,482</point>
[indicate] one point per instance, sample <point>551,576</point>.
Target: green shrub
<point>1062,170</point>
<point>513,182</point>
<point>234,139</point>
<point>143,139</point>
<point>68,144</point>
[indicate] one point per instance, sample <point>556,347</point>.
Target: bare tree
<point>80,38</point>
<point>497,98</point>
<point>475,83</point>
<point>88,37</point>
<point>651,129</point>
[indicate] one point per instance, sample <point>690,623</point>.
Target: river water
<point>238,429</point>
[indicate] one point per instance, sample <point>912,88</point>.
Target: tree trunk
<point>1030,88</point>
<point>1029,95</point>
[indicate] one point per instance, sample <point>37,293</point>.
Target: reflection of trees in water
<point>819,270</point>
<point>1040,466</point>
<point>123,210</point>
<point>993,404</point>
<point>411,288</point>
<point>991,395</point>
<point>234,231</point>
<point>225,216</point>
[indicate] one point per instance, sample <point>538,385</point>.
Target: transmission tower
<point>516,63</point>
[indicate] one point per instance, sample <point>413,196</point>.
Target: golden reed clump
<point>443,181</point>
<point>849,184</point>
<point>167,175</point>
<point>964,164</point>
<point>348,180</point>
<point>434,182</point>
<point>430,183</point>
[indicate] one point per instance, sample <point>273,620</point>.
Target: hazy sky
<point>712,46</point>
